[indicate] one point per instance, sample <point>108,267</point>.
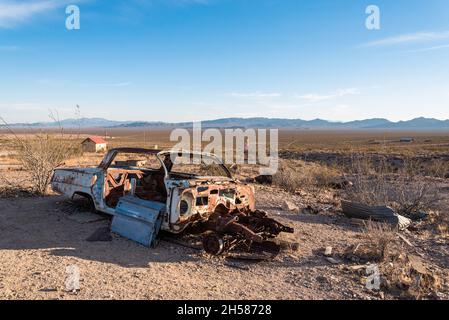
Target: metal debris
<point>289,206</point>
<point>375,213</point>
<point>144,200</point>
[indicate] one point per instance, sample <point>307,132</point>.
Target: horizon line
<point>233,117</point>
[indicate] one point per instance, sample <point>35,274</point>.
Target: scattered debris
<point>364,253</point>
<point>310,210</point>
<point>249,180</point>
<point>264,179</point>
<point>410,277</point>
<point>289,206</point>
<point>333,260</point>
<point>328,251</point>
<point>375,213</point>
<point>400,236</point>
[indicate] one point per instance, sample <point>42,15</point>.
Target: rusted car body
<point>143,201</point>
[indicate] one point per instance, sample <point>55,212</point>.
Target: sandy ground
<point>39,239</point>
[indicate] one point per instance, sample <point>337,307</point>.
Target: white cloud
<point>314,97</point>
<point>434,48</point>
<point>13,13</point>
<point>409,38</point>
<point>256,95</point>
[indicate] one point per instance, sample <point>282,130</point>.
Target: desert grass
<point>294,174</point>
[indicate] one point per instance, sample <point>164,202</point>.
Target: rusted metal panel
<point>70,181</point>
<point>138,220</point>
<point>375,213</point>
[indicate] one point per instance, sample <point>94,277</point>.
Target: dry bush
<point>377,240</point>
<point>41,153</point>
<point>440,220</point>
<point>437,168</point>
<point>380,236</point>
<point>370,185</point>
<point>9,189</point>
<point>293,175</point>
<point>287,178</point>
<point>405,191</point>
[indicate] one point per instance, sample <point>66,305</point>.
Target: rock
<point>328,251</point>
<point>289,206</point>
<point>332,260</point>
<point>310,210</point>
<point>264,179</point>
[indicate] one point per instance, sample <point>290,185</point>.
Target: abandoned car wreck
<point>144,200</point>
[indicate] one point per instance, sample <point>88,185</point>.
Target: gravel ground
<point>40,238</point>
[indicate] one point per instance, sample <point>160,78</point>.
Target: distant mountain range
<point>377,123</point>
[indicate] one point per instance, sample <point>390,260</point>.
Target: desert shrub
<point>41,154</point>
<point>440,219</point>
<point>437,168</point>
<point>377,241</point>
<point>287,178</point>
<point>9,189</point>
<point>294,175</point>
<point>380,236</point>
<point>404,190</point>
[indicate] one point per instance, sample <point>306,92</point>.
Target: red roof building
<point>94,144</point>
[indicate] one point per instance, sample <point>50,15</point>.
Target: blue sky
<point>182,60</point>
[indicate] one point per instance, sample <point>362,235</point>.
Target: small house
<point>407,140</point>
<point>94,144</point>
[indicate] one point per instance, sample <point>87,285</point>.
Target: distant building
<point>94,144</point>
<point>407,140</point>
